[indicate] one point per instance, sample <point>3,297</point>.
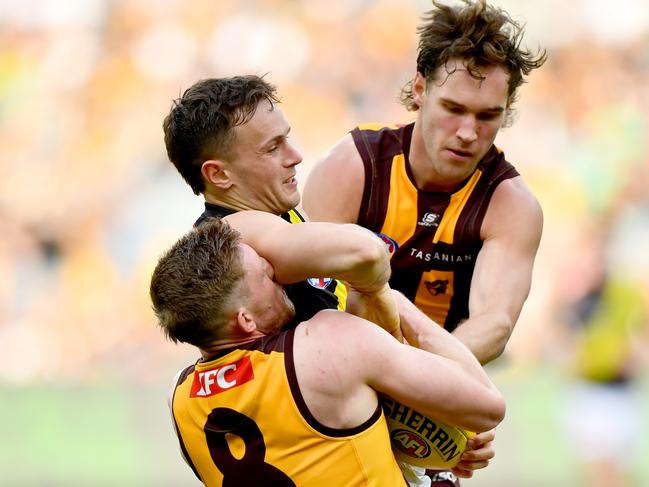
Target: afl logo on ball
<point>410,443</point>
<point>389,243</point>
<point>319,282</point>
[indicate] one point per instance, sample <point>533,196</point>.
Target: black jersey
<point>308,296</point>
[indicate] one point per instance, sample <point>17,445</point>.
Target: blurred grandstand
<point>88,201</point>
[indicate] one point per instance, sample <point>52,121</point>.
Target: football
<point>422,441</point>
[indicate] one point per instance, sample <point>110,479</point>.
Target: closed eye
<point>487,116</point>
<point>455,110</point>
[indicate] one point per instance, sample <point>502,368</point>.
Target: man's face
<point>459,117</point>
<point>263,167</point>
<point>266,299</point>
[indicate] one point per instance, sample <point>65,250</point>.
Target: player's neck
<point>232,201</point>
<point>216,346</point>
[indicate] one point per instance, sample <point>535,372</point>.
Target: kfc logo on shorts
<point>319,282</point>
<point>389,243</point>
<point>219,379</point>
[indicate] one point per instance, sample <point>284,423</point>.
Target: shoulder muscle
<point>334,188</point>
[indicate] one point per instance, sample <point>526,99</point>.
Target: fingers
<point>484,452</point>
<point>474,460</point>
<point>479,452</point>
<point>481,438</point>
<point>461,472</point>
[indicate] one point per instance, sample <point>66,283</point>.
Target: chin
<point>294,200</point>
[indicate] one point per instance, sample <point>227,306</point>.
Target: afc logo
<point>437,287</point>
<point>429,220</point>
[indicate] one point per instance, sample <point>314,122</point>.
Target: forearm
<point>301,251</point>
<point>379,307</point>
<point>422,332</point>
<point>369,269</point>
<point>353,254</point>
<point>485,335</point>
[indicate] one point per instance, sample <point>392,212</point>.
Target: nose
<point>293,156</point>
<point>467,132</point>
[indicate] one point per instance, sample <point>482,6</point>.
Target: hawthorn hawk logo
<point>437,287</point>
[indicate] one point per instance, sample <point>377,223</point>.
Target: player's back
<point>241,420</point>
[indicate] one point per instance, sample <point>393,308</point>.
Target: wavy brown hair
<point>481,35</point>
<point>194,281</point>
<point>200,125</point>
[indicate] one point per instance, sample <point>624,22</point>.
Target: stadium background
<point>88,201</point>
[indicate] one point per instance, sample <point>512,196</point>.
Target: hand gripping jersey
<point>308,296</point>
<point>241,421</point>
<point>433,237</point>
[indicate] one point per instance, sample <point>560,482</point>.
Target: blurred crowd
<point>88,199</point>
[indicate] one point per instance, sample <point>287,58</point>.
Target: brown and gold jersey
<point>434,237</point>
<point>242,421</point>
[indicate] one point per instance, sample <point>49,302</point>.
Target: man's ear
<point>214,173</point>
<point>418,88</point>
<point>245,321</point>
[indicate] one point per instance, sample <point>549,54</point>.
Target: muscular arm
<point>342,357</point>
<point>334,189</point>
<point>502,277</point>
<point>333,193</point>
<point>503,272</point>
<point>305,250</point>
<point>422,332</point>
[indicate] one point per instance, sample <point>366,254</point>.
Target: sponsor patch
<point>391,244</point>
<point>219,379</point>
<point>428,220</point>
<point>319,282</point>
<point>410,443</point>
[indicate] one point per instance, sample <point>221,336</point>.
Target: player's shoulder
<point>513,205</point>
<point>342,149</point>
<point>515,194</point>
<point>331,328</point>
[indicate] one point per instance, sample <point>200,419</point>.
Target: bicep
<point>433,385</point>
<point>334,188</point>
<point>503,272</point>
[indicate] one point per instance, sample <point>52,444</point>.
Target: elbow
<point>496,412</point>
<point>492,412</point>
